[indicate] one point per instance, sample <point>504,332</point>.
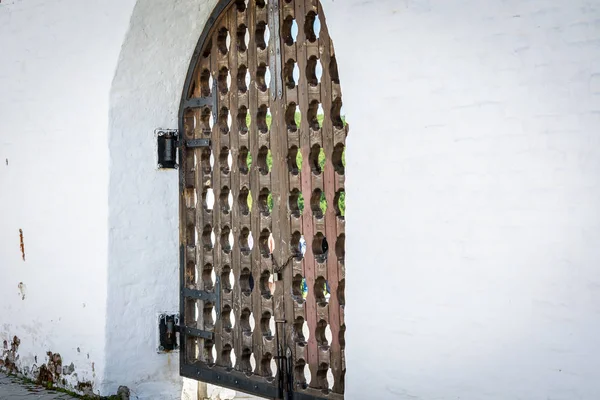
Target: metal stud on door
<point>261,153</point>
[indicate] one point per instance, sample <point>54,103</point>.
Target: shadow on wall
<point>143,264</point>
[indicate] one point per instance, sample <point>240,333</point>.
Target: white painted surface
<point>143,268</point>
<point>473,198</point>
<point>57,61</point>
<point>484,118</point>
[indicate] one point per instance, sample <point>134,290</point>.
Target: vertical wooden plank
<point>289,303</point>
<point>236,225</point>
<point>216,186</point>
<point>221,201</point>
<point>201,176</point>
<point>275,136</point>
<point>246,302</point>
<point>254,187</point>
<point>330,217</point>
<point>317,177</point>
<point>283,308</point>
<point>269,223</point>
<point>307,225</point>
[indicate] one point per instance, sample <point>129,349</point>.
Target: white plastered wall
<point>57,61</point>
<point>143,268</point>
<point>473,198</point>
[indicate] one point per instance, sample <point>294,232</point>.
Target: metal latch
<point>168,327</point>
<point>166,140</point>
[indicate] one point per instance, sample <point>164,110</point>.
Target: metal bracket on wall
<point>166,146</point>
<point>168,327</point>
<point>167,141</point>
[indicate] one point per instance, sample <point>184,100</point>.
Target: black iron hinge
<point>168,327</point>
<point>213,296</point>
<point>167,142</point>
<point>171,325</point>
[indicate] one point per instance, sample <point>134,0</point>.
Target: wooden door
<point>262,203</point>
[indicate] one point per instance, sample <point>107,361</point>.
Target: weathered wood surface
<point>246,245</point>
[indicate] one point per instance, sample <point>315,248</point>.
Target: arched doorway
<point>262,203</point>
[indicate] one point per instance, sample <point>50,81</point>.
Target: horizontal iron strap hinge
<point>168,328</point>
<point>194,143</point>
<point>206,101</point>
<point>199,102</point>
<point>199,295</point>
<point>186,330</point>
<point>172,141</point>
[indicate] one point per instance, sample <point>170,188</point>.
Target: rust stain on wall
<point>22,244</point>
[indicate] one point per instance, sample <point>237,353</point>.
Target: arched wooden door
<point>262,203</point>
